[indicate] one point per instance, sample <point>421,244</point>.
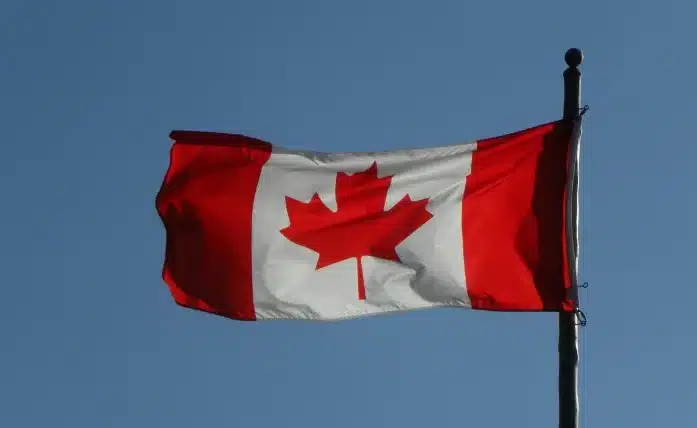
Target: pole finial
<point>573,57</point>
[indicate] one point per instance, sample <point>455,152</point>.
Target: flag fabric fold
<point>255,231</point>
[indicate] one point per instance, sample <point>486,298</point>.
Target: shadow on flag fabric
<point>255,231</point>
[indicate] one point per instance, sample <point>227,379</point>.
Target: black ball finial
<point>573,57</point>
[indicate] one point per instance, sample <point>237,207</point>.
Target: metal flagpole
<point>568,328</point>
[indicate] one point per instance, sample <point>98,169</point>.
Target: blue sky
<point>90,90</point>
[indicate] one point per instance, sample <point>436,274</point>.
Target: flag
<point>255,231</point>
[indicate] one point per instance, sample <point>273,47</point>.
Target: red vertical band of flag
<point>206,204</point>
<point>513,221</point>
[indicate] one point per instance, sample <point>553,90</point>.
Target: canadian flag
<point>255,231</point>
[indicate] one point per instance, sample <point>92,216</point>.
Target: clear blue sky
<point>89,91</point>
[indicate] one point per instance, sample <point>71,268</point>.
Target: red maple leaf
<point>360,226</point>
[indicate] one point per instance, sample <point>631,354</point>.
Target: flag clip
<point>581,318</point>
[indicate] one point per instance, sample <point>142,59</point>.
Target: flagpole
<point>568,329</point>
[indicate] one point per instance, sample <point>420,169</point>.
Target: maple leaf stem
<point>361,282</point>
